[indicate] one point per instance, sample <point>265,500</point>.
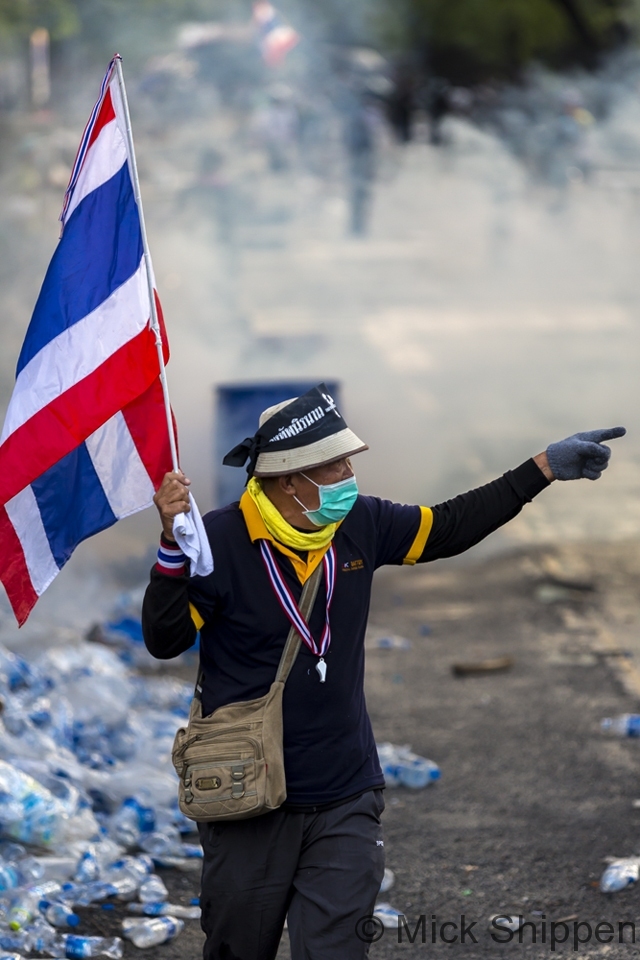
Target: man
<point>319,858</point>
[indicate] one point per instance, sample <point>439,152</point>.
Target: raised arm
<point>460,523</point>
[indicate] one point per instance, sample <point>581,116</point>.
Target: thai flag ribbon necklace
<point>290,607</point>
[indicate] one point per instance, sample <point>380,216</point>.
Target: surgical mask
<point>336,500</point>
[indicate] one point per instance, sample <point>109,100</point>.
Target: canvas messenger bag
<point>231,764</point>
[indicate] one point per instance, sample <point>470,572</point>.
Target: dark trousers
<point>322,870</point>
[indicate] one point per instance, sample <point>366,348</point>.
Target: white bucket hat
<point>298,434</point>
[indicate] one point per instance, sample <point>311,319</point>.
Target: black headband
<point>305,420</point>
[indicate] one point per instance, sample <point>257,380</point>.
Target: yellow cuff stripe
<point>195,616</point>
<point>420,542</point>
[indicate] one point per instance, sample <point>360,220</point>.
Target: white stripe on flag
<point>121,472</point>
<point>25,516</point>
<point>104,158</point>
<point>79,350</point>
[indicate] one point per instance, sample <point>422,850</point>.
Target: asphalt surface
<point>533,796</point>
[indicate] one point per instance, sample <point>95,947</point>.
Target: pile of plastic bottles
<point>401,767</point>
<point>86,773</point>
<point>37,912</point>
<point>85,749</point>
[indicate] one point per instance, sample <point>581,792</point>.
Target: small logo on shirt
<point>350,565</point>
<point>379,843</point>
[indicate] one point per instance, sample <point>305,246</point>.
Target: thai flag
<point>85,440</point>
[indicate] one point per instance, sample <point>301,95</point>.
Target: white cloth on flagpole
<point>191,537</point>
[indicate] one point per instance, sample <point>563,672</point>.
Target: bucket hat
<point>298,434</point>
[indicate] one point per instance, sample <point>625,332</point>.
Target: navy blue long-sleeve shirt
<point>329,749</point>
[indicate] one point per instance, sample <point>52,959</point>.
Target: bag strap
<point>292,646</point>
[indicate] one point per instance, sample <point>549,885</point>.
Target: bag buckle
<point>237,771</point>
<point>237,791</point>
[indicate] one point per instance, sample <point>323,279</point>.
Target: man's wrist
<point>171,560</point>
<point>542,461</point>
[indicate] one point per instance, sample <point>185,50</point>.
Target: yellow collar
<point>258,531</point>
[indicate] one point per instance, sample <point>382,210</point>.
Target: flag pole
<point>155,325</point>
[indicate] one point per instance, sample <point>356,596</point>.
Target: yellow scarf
<point>282,531</point>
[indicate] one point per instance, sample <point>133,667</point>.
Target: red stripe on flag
<point>163,329</point>
<point>105,115</point>
<point>73,416</point>
<point>147,423</point>
<point>14,573</point>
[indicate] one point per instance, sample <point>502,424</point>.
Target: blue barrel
<point>238,409</point>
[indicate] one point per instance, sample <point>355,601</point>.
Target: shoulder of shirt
<point>366,508</point>
<point>230,518</point>
<point>372,504</point>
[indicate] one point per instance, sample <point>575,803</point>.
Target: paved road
<point>533,797</point>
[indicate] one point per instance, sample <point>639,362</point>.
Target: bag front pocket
<point>223,788</point>
<point>221,776</point>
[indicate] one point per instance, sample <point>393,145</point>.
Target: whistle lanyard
<point>290,607</point>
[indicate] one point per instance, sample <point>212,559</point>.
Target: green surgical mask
<point>336,500</point>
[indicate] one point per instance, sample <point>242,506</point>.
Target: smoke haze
<point>492,307</point>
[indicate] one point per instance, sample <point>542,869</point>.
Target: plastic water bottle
<point>417,772</point>
<point>151,931</point>
<point>124,888</point>
<point>76,948</point>
<point>193,850</point>
<point>401,766</point>
<point>625,725</point>
<point>620,874</point>
<point>57,868</point>
<point>18,940</point>
<point>23,910</point>
<point>58,914</point>
<point>133,820</point>
<point>165,910</point>
<point>88,868</point>
<point>165,843</point>
<point>387,915</point>
<point>152,890</point>
<point>9,876</point>
<point>139,867</point>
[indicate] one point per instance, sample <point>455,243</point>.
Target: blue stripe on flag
<point>101,248</point>
<point>72,503</point>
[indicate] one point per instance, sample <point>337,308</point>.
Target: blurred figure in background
<point>401,102</point>
<point>360,144</point>
<point>276,125</point>
<point>436,105</point>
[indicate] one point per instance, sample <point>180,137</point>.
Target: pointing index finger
<point>607,433</point>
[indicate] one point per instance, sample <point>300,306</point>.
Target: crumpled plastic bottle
<point>167,843</point>
<point>58,914</point>
<point>75,947</point>
<point>624,725</point>
<point>387,915</point>
<point>403,767</point>
<point>152,890</point>
<point>135,818</point>
<point>151,931</point>
<point>620,874</point>
<point>163,909</point>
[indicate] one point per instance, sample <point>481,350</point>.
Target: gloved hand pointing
<point>582,455</point>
